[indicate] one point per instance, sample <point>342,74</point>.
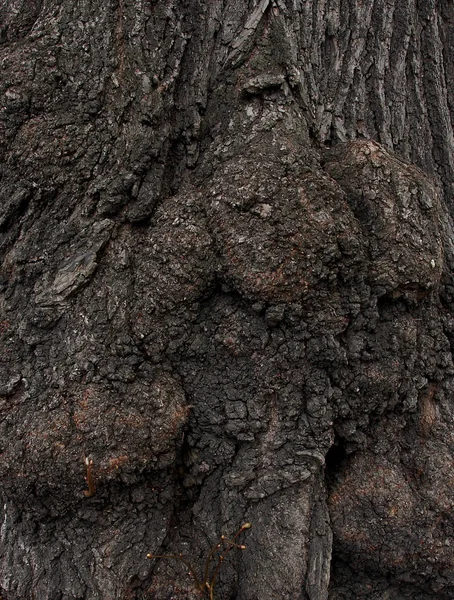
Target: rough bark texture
<point>226,293</point>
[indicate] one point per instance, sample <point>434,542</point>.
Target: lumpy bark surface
<point>226,296</point>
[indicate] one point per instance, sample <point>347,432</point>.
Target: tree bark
<point>226,296</point>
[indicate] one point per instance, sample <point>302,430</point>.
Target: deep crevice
<point>335,460</point>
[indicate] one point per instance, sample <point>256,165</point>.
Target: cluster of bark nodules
<point>214,309</point>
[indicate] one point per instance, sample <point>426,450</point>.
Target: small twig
<point>208,561</point>
<point>230,544</point>
<point>179,557</point>
<point>90,479</point>
<point>211,584</point>
<point>209,581</point>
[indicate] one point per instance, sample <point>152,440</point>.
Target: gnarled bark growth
<point>225,296</point>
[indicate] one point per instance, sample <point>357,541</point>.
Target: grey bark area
<point>226,293</point>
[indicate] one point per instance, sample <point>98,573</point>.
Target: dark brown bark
<point>226,296</point>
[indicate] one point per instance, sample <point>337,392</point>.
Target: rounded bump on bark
<point>400,214</point>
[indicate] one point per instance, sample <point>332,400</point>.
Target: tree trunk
<point>226,297</point>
